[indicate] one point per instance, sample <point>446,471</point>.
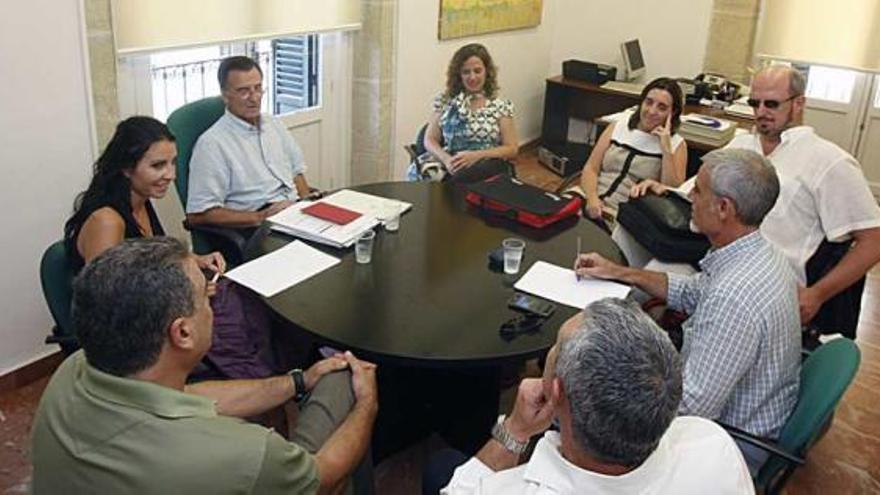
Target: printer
<point>590,72</point>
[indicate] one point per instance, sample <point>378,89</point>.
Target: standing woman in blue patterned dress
<point>470,124</point>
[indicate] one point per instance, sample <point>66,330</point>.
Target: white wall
<point>45,151</point>
<point>522,58</point>
<point>673,40</point>
<point>672,33</point>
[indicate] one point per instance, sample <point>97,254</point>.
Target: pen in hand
<point>576,256</point>
<point>211,275</point>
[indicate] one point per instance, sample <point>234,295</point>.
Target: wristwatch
<point>299,384</point>
<point>500,433</point>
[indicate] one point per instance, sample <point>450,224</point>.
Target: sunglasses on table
<point>771,104</point>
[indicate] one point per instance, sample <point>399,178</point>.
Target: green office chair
<point>187,123</point>
<point>825,376</point>
<point>56,277</point>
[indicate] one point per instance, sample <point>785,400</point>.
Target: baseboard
<point>530,145</point>
<point>29,373</point>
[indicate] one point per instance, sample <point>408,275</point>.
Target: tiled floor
<point>16,414</point>
<point>846,460</point>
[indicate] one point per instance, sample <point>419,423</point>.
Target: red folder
<point>331,213</point>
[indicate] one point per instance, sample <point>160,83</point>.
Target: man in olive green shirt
<point>118,416</point>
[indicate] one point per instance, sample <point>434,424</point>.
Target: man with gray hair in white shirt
<point>614,381</point>
<point>246,167</point>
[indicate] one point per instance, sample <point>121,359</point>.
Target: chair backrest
<point>56,277</point>
<point>419,144</point>
<point>825,376</point>
<point>187,123</point>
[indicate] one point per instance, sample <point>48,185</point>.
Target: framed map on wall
<point>460,18</point>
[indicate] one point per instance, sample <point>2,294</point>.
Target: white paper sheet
<point>685,188</point>
<point>273,272</point>
<point>561,285</point>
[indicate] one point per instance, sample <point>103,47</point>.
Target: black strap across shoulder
<point>633,152</point>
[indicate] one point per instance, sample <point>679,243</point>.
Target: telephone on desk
<point>709,86</point>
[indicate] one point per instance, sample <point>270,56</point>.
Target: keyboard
<point>625,87</point>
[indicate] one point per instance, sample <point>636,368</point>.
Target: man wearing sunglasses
<point>824,194</point>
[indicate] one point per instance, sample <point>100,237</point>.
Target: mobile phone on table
<point>531,305</point>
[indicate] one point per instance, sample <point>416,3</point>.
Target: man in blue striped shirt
<point>741,347</point>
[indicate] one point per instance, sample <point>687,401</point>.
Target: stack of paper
<point>740,110</point>
<point>561,285</point>
<point>295,222</point>
<point>707,130</point>
<point>364,203</point>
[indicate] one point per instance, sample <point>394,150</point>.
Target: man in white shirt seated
<point>246,167</point>
<point>613,380</point>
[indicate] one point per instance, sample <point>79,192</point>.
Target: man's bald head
<point>782,75</point>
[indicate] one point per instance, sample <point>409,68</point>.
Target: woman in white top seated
<point>637,152</point>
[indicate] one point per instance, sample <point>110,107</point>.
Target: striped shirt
<point>741,350</point>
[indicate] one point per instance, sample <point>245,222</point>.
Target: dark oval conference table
<point>429,298</point>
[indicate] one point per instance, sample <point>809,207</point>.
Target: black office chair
<point>417,148</point>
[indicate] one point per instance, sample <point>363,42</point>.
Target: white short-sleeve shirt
<point>243,167</point>
<point>823,194</point>
<point>694,456</point>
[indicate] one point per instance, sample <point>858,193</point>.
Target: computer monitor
<point>633,60</point>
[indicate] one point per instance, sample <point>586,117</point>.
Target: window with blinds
<point>295,67</point>
<point>291,73</point>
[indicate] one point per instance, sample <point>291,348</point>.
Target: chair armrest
<point>763,444</point>
<point>411,151</point>
<point>61,340</point>
<point>227,234</point>
<point>230,242</point>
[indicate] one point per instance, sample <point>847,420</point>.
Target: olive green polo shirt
<point>99,433</point>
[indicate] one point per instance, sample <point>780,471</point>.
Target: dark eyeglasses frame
<point>771,104</point>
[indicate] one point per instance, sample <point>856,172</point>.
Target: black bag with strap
<point>662,225</point>
<point>529,205</point>
<point>841,312</point>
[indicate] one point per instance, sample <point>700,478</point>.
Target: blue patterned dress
<point>465,129</point>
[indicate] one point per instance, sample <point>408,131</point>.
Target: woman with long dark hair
<point>137,166</point>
